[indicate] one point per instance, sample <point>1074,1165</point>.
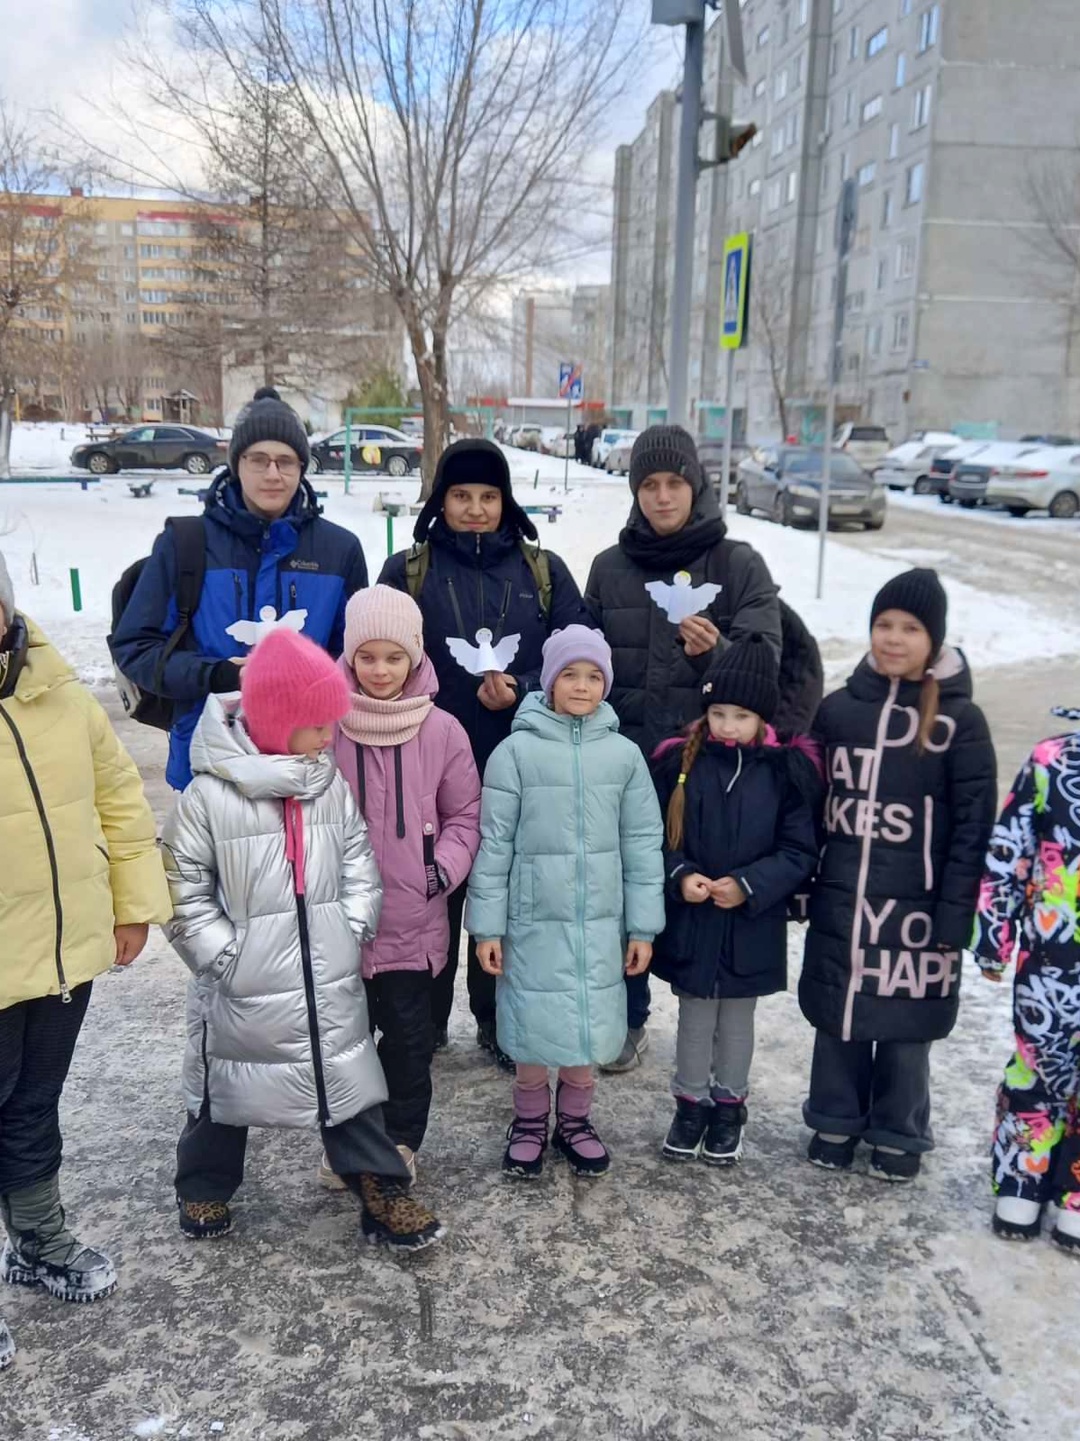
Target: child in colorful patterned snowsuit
<point>1028,910</point>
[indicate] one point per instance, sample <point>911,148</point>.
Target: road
<point>770,1303</point>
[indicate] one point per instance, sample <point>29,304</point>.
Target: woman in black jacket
<point>740,840</point>
<point>912,796</point>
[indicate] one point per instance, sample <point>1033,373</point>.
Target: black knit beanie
<point>747,675</point>
<point>267,417</point>
<point>921,594</point>
<point>666,448</point>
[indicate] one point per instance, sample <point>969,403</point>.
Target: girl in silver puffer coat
<point>275,888</point>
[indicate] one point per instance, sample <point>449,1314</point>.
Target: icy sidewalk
<point>774,1302</point>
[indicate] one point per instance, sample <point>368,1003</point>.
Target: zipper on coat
<point>928,842</point>
<point>399,795</point>
<point>292,596</point>
<point>457,609</point>
<point>50,848</point>
<point>312,1010</point>
<point>238,592</point>
<point>361,778</point>
<point>508,591</point>
<point>579,778</point>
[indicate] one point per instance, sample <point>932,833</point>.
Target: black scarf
<point>13,645</point>
<point>641,544</point>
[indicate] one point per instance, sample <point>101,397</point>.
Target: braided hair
<point>676,811</point>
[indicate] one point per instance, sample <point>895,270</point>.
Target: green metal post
<point>76,590</point>
<point>389,534</point>
<point>348,449</point>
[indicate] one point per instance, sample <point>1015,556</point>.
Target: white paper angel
<point>482,657</point>
<point>681,599</point>
<point>250,632</point>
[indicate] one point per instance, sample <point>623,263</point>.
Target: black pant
<point>481,985</point>
<point>37,1041</point>
<point>400,1007</point>
<point>210,1156</point>
<point>877,1090</point>
<point>637,1001</point>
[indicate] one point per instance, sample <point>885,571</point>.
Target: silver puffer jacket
<point>277,1016</point>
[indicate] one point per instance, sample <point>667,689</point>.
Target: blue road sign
<point>571,381</point>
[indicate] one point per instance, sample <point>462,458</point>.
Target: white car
<point>605,440</point>
<point>907,466</point>
<point>556,441</point>
<point>618,457</point>
<point>868,445</point>
<point>1044,478</point>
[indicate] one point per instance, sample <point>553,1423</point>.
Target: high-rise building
<point>589,338</point>
<point>958,120</point>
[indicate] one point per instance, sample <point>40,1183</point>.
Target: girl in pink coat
<point>411,769</point>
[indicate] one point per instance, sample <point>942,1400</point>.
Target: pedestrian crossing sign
<point>736,291</point>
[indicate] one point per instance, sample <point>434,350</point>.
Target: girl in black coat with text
<point>911,803</point>
<point>740,840</point>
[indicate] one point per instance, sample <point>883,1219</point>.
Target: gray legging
<point>714,1048</point>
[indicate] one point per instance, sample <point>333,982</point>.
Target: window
<point>874,340</point>
<point>828,117</point>
<point>871,109</point>
<point>901,70</point>
<point>772,200</point>
<point>792,188</point>
<point>853,361</point>
<point>150,252</point>
<point>886,210</point>
<point>845,166</point>
<point>132,318</point>
<point>837,6</point>
<point>130,272</point>
<point>127,228</point>
<point>785,27</point>
<point>777,142</point>
<point>803,12</point>
<point>759,89</point>
<point>153,317</point>
<point>763,37</point>
<point>853,43</point>
<point>877,42</point>
<point>759,136</point>
<point>834,57</point>
<point>913,188</point>
<point>901,331</point>
<point>796,71</point>
<point>929,24</point>
<point>867,173</point>
<point>754,188</point>
<point>791,128</point>
<point>894,141</point>
<point>780,81</point>
<point>849,107</point>
<point>855,301</point>
<point>819,238</point>
<point>920,109</point>
<point>129,252</point>
<point>824,177</point>
<point>882,275</point>
<point>905,259</point>
<point>905,8</point>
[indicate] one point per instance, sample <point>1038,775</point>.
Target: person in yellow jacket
<point>81,879</point>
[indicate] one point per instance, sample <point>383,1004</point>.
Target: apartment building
<point>954,117</point>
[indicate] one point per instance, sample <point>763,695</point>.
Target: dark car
<point>711,454</point>
<point>785,482</point>
<point>153,447</point>
<point>376,449</point>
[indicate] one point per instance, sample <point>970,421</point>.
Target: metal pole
<point>566,447</point>
<point>729,386</point>
<point>685,203</point>
<point>826,474</point>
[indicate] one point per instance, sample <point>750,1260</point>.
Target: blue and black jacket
<point>299,562</point>
<point>483,581</point>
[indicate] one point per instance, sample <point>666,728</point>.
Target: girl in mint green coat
<point>566,895</point>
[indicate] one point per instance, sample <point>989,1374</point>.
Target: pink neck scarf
<point>374,722</point>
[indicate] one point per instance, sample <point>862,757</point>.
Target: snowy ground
<point>771,1303</point>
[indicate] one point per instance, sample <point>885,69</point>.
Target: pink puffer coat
<point>421,801</point>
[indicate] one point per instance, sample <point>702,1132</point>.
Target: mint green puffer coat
<point>570,866</point>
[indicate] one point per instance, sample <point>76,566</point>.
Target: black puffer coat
<point>749,814</point>
<point>895,895</point>
<point>657,686</point>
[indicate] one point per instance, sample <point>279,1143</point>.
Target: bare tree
<point>45,252</point>
<point>770,308</point>
<point>1052,194</point>
<point>445,136</point>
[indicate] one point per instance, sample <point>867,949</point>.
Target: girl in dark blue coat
<point>740,840</point>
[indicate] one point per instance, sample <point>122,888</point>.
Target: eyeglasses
<point>260,463</point>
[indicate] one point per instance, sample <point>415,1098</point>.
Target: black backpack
<point>802,675</point>
<point>149,707</point>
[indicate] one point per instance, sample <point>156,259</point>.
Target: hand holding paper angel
<point>483,657</point>
<point>250,632</point>
<point>682,599</point>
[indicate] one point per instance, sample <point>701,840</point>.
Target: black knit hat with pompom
<point>747,675</point>
<point>267,417</point>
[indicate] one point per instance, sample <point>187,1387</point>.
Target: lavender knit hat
<point>575,642</point>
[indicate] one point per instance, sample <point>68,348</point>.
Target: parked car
<point>618,457</point>
<point>1054,440</point>
<point>605,440</point>
<point>907,466</point>
<point>943,465</point>
<point>1043,478</point>
<point>153,447</point>
<point>525,437</point>
<point>711,454</point>
<point>785,483</point>
<point>376,449</point>
<point>971,475</point>
<point>868,445</point>
<point>556,441</point>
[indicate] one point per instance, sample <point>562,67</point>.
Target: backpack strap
<point>536,558</point>
<point>417,564</point>
<point>189,543</point>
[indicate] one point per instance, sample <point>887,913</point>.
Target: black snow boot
<point>204,1220</point>
<point>896,1166</point>
<point>41,1251</point>
<point>393,1218</point>
<point>7,1345</point>
<point>687,1130</point>
<point>487,1040</point>
<point>832,1155</point>
<point>723,1139</point>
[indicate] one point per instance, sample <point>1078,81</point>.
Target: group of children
<point>334,807</point>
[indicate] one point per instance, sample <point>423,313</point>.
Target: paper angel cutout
<point>482,657</point>
<point>681,599</point>
<point>250,632</point>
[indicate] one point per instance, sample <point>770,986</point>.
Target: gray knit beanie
<point>267,417</point>
<point>666,448</point>
<point>7,595</point>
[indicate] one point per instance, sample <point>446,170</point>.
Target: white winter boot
<point>1066,1232</point>
<point>1016,1219</point>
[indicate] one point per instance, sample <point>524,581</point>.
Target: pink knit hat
<point>383,613</point>
<point>289,682</point>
